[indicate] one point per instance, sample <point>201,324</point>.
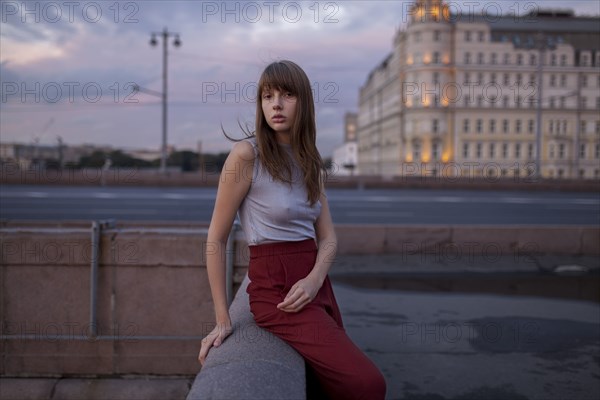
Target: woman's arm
<point>305,290</point>
<point>234,183</point>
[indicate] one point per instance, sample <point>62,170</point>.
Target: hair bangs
<point>278,76</point>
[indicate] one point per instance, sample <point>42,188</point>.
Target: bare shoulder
<point>243,151</point>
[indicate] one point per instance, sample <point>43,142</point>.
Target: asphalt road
<point>405,206</point>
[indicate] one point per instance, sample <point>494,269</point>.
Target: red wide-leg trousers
<point>316,332</point>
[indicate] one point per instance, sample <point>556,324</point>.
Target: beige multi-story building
<point>459,94</point>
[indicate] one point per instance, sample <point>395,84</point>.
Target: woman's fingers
<point>214,338</point>
<point>296,301</point>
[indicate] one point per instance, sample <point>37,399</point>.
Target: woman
<point>274,179</point>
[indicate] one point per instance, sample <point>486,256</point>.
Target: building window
<point>467,58</point>
<point>581,173</point>
<point>598,128</point>
<point>532,79</point>
<point>563,60</point>
<point>434,125</point>
<point>584,102</point>
<point>518,101</point>
<point>478,150</point>
<point>506,79</point>
<point>552,102</point>
<point>584,60</point>
<point>582,150</point>
<point>467,36</point>
<point>563,80</point>
<point>506,58</point>
<point>436,36</point>
<point>481,36</point>
<point>492,150</point>
<point>584,80</point>
<point>551,151</point>
<point>551,128</point>
<point>519,79</point>
<point>597,151</point>
<point>552,80</point>
<point>504,150</point>
<point>505,101</point>
<point>466,150</point>
<point>504,126</point>
<point>467,79</point>
<point>562,101</point>
<point>582,128</point>
<point>553,59</point>
<point>479,58</point>
<point>436,57</point>
<point>435,151</point>
<point>519,59</point>
<point>530,126</point>
<point>518,126</point>
<point>492,126</point>
<point>479,101</point>
<point>417,37</point>
<point>561,150</point>
<point>560,172</point>
<point>479,125</point>
<point>494,58</point>
<point>532,59</point>
<point>530,151</point>
<point>466,125</point>
<point>564,126</point>
<point>416,151</point>
<point>467,100</point>
<point>493,78</point>
<point>518,150</point>
<point>598,103</point>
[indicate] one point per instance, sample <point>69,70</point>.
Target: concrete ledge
<point>251,363</point>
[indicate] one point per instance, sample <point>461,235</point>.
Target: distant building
<point>345,157</point>
<point>458,95</point>
<point>148,155</point>
<point>28,155</point>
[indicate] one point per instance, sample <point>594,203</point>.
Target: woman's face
<point>279,109</point>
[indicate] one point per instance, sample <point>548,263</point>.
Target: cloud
<point>337,43</point>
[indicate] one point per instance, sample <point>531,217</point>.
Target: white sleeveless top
<point>274,211</point>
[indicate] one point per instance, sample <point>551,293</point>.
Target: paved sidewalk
<point>432,340</point>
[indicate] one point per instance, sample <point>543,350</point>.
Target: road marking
<point>104,195</point>
<point>174,196</point>
<point>518,200</point>
<point>378,214</point>
<point>449,199</point>
<point>37,195</point>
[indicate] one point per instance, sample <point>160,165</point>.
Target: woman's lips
<point>278,118</point>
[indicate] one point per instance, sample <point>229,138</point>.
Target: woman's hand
<point>302,293</point>
<point>214,338</point>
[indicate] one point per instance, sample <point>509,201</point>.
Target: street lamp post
<point>153,42</point>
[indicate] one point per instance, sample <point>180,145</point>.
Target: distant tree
<point>213,163</point>
<point>118,158</point>
<point>187,160</point>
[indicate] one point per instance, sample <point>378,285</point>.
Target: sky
<point>67,68</point>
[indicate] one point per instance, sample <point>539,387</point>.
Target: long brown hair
<point>287,76</point>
